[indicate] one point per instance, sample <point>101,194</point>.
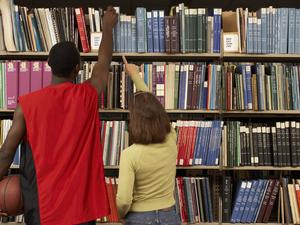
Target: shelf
<point>12,223</point>
<point>263,168</point>
<point>271,113</point>
<point>228,57</point>
<point>118,56</point>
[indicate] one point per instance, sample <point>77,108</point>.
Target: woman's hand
<point>131,69</point>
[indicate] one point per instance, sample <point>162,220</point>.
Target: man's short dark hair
<point>63,58</point>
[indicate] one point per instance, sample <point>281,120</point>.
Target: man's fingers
<point>124,59</point>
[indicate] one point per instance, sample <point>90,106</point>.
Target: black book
<point>226,199</point>
<point>287,144</point>
<point>264,146</point>
<point>274,146</point>
<point>242,146</point>
<point>279,144</point>
<point>251,145</point>
<point>255,146</point>
<point>298,142</point>
<point>260,146</point>
<point>248,149</point>
<point>293,142</point>
<point>269,148</point>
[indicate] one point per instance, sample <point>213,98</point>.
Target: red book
<point>265,202</point>
<point>110,197</point>
<point>47,74</point>
<point>297,188</point>
<point>24,78</point>
<point>114,205</point>
<point>271,202</point>
<point>36,76</point>
<point>82,29</point>
<point>180,143</point>
<point>12,83</point>
<point>193,132</point>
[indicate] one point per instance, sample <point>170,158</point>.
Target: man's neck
<point>59,80</point>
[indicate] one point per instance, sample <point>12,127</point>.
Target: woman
<point>148,167</point>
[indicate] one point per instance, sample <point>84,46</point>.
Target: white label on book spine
<point>231,42</point>
<point>244,184</point>
<point>249,185</point>
<point>255,159</point>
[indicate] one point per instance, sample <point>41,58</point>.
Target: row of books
<point>19,78</point>
<point>199,142</point>
<point>270,30</point>
<point>185,30</point>
<point>272,86</point>
<point>114,138</point>
<point>261,144</point>
<point>194,199</point>
<point>291,200</point>
<point>38,29</point>
<point>4,129</point>
<point>234,86</point>
<point>254,201</point>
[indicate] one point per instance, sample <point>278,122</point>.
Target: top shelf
<point>226,57</point>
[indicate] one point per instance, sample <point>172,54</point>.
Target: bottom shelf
<point>11,223</point>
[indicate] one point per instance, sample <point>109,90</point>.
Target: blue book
<point>244,201</point>
<point>259,86</point>
<point>161,31</point>
<point>146,75</point>
<point>20,34</point>
<point>297,32</point>
<point>155,29</point>
<point>274,88</point>
<point>273,30</point>
<point>260,200</point>
<point>126,32</point>
<point>208,195</point>
<point>149,32</point>
<point>249,201</point>
<point>189,200</point>
<point>206,130</point>
<point>254,203</point>
<point>117,32</point>
<point>129,34</point>
<point>248,87</point>
<point>215,149</point>
<point>141,29</point>
<point>277,33</point>
<point>198,143</point>
<point>237,203</point>
<point>201,86</point>
<point>284,17</point>
<point>259,38</point>
<point>250,35</point>
<point>123,36</point>
<point>207,139</point>
<point>14,27</point>
<point>133,34</point>
<point>263,16</point>
<point>211,144</point>
<point>243,70</point>
<point>217,30</point>
<point>37,37</point>
<point>292,29</point>
<point>269,24</point>
<point>255,35</point>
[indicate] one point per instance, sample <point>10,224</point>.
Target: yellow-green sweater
<point>147,173</point>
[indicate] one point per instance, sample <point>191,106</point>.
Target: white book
<point>45,27</point>
<point>50,26</point>
<point>97,21</point>
<point>91,19</point>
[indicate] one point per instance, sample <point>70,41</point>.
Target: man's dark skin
<point>98,80</point>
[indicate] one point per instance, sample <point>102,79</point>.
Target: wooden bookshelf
<point>226,57</point>
<point>231,57</point>
<point>118,56</point>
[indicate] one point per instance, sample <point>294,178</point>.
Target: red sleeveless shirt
<point>63,131</point>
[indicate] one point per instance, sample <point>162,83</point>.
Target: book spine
<point>168,34</point>
<point>297,32</point>
<point>226,199</point>
<point>24,78</point>
<point>161,31</point>
<point>155,23</point>
<point>236,209</point>
<point>291,29</point>
<point>82,29</point>
<point>133,27</point>
<point>141,29</point>
<point>174,35</point>
<point>36,76</point>
<point>271,202</point>
<point>217,30</point>
<point>149,32</point>
<point>12,81</point>
<point>284,30</point>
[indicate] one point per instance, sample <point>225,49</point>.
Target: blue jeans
<point>156,217</point>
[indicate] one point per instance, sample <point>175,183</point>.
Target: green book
<point>187,30</point>
<point>238,144</point>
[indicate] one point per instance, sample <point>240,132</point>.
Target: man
<point>62,176</point>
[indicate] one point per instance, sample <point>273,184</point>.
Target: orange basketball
<point>11,201</point>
